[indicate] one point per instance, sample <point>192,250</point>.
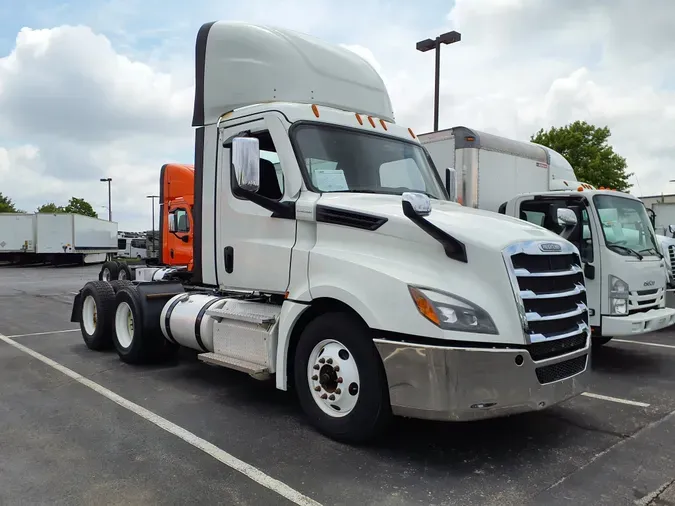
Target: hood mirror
<point>418,202</point>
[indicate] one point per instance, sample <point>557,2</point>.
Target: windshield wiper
<point>623,248</point>
<point>647,250</point>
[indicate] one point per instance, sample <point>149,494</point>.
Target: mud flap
<point>76,312</point>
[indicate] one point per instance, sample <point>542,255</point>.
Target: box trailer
<point>17,236</point>
<point>74,238</point>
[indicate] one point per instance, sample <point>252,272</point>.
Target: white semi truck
<point>622,261</point>
<point>336,276</point>
<point>59,238</point>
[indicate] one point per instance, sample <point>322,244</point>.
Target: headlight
<point>618,296</point>
<point>451,312</point>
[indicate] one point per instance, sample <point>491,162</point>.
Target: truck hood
<point>472,226</point>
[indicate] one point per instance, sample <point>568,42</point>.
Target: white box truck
<point>17,236</point>
<point>318,262</point>
<point>622,260</point>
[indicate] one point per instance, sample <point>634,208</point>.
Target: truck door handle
<point>229,259</point>
<point>171,252</point>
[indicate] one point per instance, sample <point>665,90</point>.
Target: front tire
<point>340,379</point>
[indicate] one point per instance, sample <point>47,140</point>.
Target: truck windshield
<point>625,225</point>
<point>344,160</point>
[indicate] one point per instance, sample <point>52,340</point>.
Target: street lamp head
<point>450,37</point>
<point>426,45</point>
<point>106,179</point>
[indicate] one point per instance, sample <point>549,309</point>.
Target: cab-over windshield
<point>344,160</point>
<point>625,225</point>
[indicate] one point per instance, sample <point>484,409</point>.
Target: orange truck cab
<point>176,204</point>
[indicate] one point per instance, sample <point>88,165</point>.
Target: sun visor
<point>239,64</point>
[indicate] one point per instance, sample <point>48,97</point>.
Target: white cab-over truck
<point>367,296</point>
<point>622,262</point>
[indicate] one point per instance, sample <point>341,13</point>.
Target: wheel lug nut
<point>340,380</point>
<point>322,360</point>
<point>329,361</point>
<point>336,368</point>
<point>315,377</point>
<point>324,396</point>
<point>332,397</point>
<point>317,389</point>
<point>316,367</point>
<point>338,391</point>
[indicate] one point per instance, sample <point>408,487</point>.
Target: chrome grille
<point>640,301</point>
<point>550,291</point>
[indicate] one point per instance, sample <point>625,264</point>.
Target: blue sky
<point>114,95</point>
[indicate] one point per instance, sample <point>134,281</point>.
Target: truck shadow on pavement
<point>645,362</point>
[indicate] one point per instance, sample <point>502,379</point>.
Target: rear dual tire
<point>97,306</point>
<point>135,342</point>
<point>115,270</point>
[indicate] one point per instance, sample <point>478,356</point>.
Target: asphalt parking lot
<point>79,427</point>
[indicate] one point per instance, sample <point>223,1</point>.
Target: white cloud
<point>75,106</point>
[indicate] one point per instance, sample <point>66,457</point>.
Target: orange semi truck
<point>176,200</point>
<point>176,196</point>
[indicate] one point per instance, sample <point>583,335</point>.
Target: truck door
<point>253,249</point>
<point>542,212</point>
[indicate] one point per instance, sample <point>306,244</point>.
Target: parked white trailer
<point>620,257</point>
<point>74,238</point>
<point>17,236</point>
<point>56,238</point>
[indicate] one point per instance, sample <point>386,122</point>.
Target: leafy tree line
<point>587,149</point>
<point>75,206</point>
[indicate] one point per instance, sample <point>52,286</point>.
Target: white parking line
<point>229,460</point>
<point>658,345</point>
<point>43,333</point>
<point>615,399</point>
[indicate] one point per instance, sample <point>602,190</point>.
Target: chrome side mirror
<point>419,202</point>
<point>566,217</point>
<point>451,183</point>
<point>246,162</point>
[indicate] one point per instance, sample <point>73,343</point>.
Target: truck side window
<point>586,248</point>
<point>138,243</point>
<point>182,220</point>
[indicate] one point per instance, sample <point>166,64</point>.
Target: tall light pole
<point>108,180</point>
<point>153,197</point>
<point>428,45</point>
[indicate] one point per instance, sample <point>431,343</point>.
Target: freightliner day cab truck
<point>316,262</point>
<point>622,262</point>
<point>176,201</point>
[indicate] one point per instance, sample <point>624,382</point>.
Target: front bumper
<point>638,323</point>
<point>461,384</point>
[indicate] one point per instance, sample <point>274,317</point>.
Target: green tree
<point>50,208</point>
<point>7,206</point>
<point>586,148</point>
<point>80,206</point>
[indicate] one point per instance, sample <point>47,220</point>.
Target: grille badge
<point>550,246</point>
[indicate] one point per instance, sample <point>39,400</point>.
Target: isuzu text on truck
<point>622,262</point>
<point>316,261</point>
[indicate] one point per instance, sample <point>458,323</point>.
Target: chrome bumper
<point>461,384</point>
